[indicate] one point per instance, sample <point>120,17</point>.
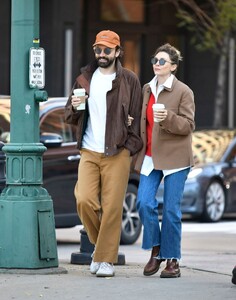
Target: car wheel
<point>214,205</point>
<point>131,223</point>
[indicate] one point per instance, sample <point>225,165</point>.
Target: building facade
<point>68,29</point>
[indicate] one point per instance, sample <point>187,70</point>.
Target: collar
<point>169,81</point>
<point>167,84</point>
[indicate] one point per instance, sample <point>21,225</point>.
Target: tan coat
<point>171,138</point>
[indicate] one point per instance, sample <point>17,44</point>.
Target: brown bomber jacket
<point>124,98</point>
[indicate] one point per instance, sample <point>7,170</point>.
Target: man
<point>108,134</point>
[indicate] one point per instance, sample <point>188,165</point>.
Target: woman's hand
<point>160,114</point>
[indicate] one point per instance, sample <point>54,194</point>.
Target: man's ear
<point>117,53</point>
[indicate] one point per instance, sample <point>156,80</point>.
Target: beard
<point>106,63</point>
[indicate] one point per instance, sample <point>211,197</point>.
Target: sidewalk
<point>208,259</point>
<point>129,283</point>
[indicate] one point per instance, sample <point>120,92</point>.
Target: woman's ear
<point>173,68</point>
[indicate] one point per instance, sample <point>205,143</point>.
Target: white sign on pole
<point>37,68</point>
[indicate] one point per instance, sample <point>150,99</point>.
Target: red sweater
<point>149,120</point>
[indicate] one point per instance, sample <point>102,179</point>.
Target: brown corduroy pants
<point>100,191</point>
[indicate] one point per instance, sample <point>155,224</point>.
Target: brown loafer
<point>153,264</point>
<point>171,270</point>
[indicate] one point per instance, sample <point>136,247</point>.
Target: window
<point>131,11</point>
<point>132,55</point>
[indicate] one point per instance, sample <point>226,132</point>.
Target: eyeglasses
<point>106,50</point>
<point>162,61</point>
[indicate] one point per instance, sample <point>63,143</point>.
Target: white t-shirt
<point>94,137</point>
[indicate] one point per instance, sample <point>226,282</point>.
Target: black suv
<point>60,167</point>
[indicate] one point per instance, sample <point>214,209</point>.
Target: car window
<point>53,122</point>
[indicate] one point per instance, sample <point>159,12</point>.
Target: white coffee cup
<point>81,94</point>
<point>157,106</point>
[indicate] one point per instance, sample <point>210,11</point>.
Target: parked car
<point>60,167</point>
<point>210,189</point>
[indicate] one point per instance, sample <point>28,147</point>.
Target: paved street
<point>209,254</point>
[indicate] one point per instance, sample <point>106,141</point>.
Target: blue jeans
<point>168,237</point>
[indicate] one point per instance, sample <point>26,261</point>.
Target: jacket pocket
<point>166,135</point>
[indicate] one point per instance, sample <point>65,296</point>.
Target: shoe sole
<point>170,276</point>
<point>150,273</point>
<point>93,273</point>
<point>105,275</point>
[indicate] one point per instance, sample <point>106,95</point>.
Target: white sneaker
<point>94,266</point>
<point>105,270</point>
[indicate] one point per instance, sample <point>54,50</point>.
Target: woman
<point>166,153</point>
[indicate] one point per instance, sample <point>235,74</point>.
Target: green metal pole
<point>27,229</point>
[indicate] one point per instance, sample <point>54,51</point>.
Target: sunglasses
<point>106,50</point>
<point>162,61</point>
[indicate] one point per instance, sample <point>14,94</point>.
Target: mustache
<point>103,58</point>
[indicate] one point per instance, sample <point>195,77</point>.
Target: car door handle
<point>74,157</point>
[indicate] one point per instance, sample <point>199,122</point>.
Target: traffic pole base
<point>84,257</point>
<point>79,258</point>
<point>27,238</point>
